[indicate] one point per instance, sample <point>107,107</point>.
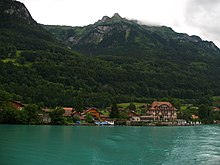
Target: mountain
<point>114,59</point>
<point>36,68</point>
<point>18,29</point>
<point>149,61</point>
<point>117,35</point>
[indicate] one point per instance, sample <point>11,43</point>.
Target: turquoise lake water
<point>67,145</point>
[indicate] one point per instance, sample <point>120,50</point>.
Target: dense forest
<point>39,65</point>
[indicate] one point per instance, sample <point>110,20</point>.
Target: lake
<point>71,145</point>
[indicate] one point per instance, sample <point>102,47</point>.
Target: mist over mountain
<point>112,59</point>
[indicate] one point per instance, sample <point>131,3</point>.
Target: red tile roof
<point>16,104</point>
<point>160,104</point>
<point>68,111</point>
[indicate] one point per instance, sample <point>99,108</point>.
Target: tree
<point>205,113</point>
<point>205,100</point>
<point>79,104</point>
<point>9,115</point>
<point>4,96</point>
<point>176,103</point>
<point>114,111</point>
<point>132,107</point>
<point>89,118</point>
<point>57,116</point>
<point>75,119</point>
<point>216,115</point>
<point>30,114</point>
<point>185,114</point>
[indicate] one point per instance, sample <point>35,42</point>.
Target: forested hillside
<point>124,61</point>
<point>35,67</point>
<point>149,61</point>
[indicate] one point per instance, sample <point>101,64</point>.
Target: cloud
<point>204,15</point>
<point>195,17</point>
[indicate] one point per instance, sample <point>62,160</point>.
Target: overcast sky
<point>195,17</point>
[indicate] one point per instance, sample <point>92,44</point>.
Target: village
<point>158,113</point>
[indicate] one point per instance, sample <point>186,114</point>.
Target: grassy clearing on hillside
<point>18,52</point>
<point>7,60</point>
<point>125,105</point>
<point>183,107</point>
<point>13,60</point>
<point>216,98</point>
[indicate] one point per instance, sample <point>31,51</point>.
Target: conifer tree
<point>114,111</point>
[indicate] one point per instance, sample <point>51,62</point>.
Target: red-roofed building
<point>94,112</point>
<point>16,104</point>
<point>162,111</point>
<point>68,111</point>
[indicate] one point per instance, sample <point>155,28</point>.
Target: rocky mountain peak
<point>16,9</point>
<point>117,16</point>
<point>111,32</point>
<point>105,19</point>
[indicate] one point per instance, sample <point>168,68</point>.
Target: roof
<point>158,104</point>
<point>76,112</point>
<point>132,114</point>
<point>17,102</point>
<point>68,109</point>
<point>92,109</point>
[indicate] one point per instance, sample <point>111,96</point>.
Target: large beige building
<point>163,111</point>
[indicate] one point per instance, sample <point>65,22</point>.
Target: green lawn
<point>125,105</point>
<point>216,98</point>
<point>9,60</point>
<point>183,107</point>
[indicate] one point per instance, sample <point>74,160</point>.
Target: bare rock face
<point>100,30</point>
<point>117,16</point>
<point>15,9</point>
<point>105,19</point>
<point>22,11</point>
<point>116,33</point>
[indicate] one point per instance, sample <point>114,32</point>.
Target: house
<point>78,114</point>
<point>45,116</point>
<point>162,111</point>
<point>215,109</point>
<point>68,111</point>
<point>194,117</point>
<point>94,112</point>
<point>133,116</point>
<point>16,104</point>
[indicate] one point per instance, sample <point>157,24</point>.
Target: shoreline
<point>117,125</point>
